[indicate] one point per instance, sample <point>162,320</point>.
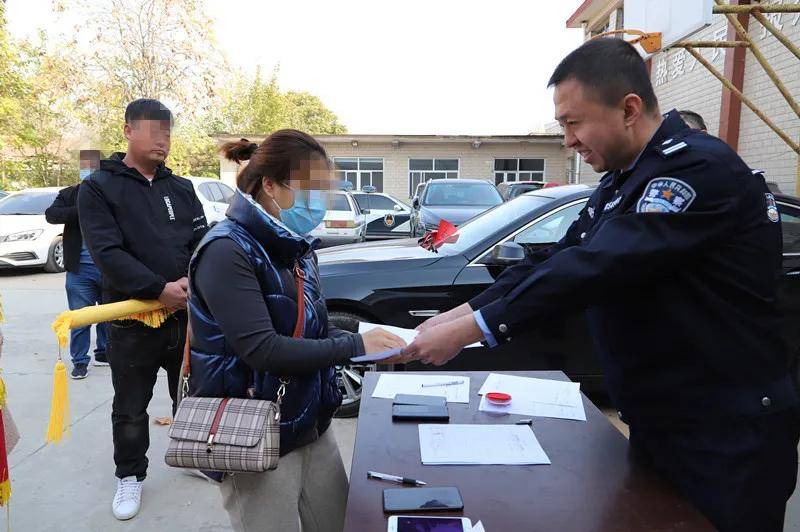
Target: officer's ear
<point>632,108</point>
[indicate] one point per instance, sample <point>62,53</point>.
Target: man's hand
<point>184,282</point>
<point>445,317</point>
<point>378,340</point>
<point>173,296</point>
<point>442,343</point>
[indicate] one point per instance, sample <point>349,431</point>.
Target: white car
<point>215,196</point>
<point>387,216</point>
<point>344,222</point>
<point>26,239</point>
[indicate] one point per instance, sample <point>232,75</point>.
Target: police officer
<point>676,259</point>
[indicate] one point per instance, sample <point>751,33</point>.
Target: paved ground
<point>69,486</point>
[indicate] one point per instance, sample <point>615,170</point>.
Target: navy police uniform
<point>677,261</point>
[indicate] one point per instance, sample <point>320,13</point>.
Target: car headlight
<point>22,236</point>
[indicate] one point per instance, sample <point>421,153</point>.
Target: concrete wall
<point>474,163</point>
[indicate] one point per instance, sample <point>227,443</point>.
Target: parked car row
<point>401,283</point>
<point>28,241</point>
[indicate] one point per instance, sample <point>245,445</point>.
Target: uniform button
<point>503,328</point>
<point>583,235</point>
<point>766,401</point>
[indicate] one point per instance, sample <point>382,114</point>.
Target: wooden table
<point>593,484</point>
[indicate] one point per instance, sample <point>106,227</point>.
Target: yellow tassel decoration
<point>151,313</point>
<point>59,407</point>
<point>2,393</point>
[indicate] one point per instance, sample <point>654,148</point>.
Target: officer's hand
<point>379,340</point>
<point>173,296</point>
<point>445,317</point>
<point>184,282</point>
<point>442,343</point>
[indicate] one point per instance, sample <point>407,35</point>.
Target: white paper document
<point>406,334</point>
<point>478,527</point>
<point>455,388</point>
<point>534,397</point>
<point>480,445</point>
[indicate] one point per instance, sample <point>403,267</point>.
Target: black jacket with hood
<point>140,233</point>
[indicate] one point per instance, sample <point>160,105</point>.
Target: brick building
<point>681,82</point>
<point>396,163</point>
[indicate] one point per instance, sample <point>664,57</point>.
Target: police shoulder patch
<point>666,195</point>
<point>772,209</point>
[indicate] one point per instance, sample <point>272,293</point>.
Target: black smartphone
<point>419,413</point>
<point>412,399</point>
<point>421,499</point>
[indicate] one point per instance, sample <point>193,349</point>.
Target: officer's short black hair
<point>147,109</point>
<point>608,68</point>
<point>693,120</point>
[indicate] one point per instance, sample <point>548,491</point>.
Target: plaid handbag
<point>229,434</point>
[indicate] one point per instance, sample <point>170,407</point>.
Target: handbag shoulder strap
<point>300,278</point>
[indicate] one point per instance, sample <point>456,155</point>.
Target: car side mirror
<point>506,254</point>
<point>415,203</point>
<point>365,211</point>
<point>397,208</point>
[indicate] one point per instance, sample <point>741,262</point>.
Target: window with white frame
<point>423,170</point>
<point>360,171</point>
<point>511,170</point>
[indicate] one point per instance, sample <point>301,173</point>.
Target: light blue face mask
<point>307,212</point>
<point>84,173</point>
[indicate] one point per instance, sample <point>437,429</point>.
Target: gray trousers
<point>309,486</point>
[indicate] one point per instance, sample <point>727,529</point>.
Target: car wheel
<point>55,256</point>
<point>350,377</point>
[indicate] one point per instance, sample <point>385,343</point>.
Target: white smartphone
<point>418,523</point>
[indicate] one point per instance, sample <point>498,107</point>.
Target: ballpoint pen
<point>395,478</point>
<point>450,383</point>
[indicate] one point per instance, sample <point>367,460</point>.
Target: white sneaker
<point>128,499</point>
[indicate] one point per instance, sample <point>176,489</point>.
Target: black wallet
<point>412,399</point>
<point>420,413</point>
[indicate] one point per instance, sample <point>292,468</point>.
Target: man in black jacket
<point>83,278</point>
<point>141,224</point>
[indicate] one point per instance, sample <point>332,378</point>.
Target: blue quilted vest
<point>216,371</point>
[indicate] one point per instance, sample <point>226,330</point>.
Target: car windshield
<point>339,203</point>
<point>522,189</point>
<point>27,203</point>
<point>505,214</point>
<point>461,195</point>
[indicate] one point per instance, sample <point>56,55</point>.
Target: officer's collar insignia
<point>612,204</point>
<point>666,195</point>
<point>772,209</point>
<point>590,210</point>
<point>668,141</point>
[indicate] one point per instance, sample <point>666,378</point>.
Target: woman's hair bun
<point>239,150</point>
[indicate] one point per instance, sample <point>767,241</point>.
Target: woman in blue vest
<point>243,313</point>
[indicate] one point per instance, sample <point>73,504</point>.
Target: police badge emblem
<point>666,195</point>
<point>388,220</point>
<point>772,209</point>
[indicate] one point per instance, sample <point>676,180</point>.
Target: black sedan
<point>454,200</point>
<point>400,283</point>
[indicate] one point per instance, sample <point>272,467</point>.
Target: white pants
<point>309,486</point>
